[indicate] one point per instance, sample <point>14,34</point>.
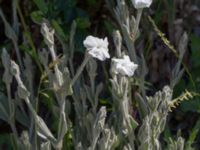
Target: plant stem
<point>80,69</point>
<point>138,18</point>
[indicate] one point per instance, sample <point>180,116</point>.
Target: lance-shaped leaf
<point>45,146</point>
<point>25,141</point>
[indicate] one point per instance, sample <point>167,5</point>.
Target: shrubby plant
<point>94,126</point>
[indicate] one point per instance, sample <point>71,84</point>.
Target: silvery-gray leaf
<point>25,141</point>
<point>23,93</point>
<point>16,23</point>
<point>133,122</point>
<point>4,110</point>
<point>180,143</point>
<point>66,87</point>
<point>92,67</point>
<point>7,77</point>
<point>72,34</point>
<point>63,127</point>
<point>79,146</point>
<point>44,56</point>
<point>48,33</point>
<point>29,70</point>
<point>127,147</point>
<point>118,43</point>
<point>143,106</point>
<point>100,120</point>
<point>5,59</point>
<point>89,94</point>
<point>22,118</point>
<point>44,130</point>
<point>99,88</point>
<point>45,146</point>
<point>183,44</point>
<point>14,69</point>
<point>41,135</point>
<point>8,29</point>
<point>108,139</point>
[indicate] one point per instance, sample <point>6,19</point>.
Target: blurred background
<point>93,17</point>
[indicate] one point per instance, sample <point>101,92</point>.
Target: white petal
<point>100,54</point>
<point>105,42</point>
<point>90,42</point>
<point>96,47</point>
<point>126,59</point>
<point>41,135</point>
<point>105,52</point>
<point>132,69</point>
<point>123,66</point>
<point>141,3</point>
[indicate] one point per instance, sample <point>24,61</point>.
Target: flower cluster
<point>98,48</point>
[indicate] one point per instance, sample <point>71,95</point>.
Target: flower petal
<point>100,54</point>
<point>123,66</point>
<point>97,48</point>
<point>90,42</point>
<point>141,3</point>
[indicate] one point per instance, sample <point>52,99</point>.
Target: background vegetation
<point>93,17</point>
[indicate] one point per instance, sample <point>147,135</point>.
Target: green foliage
<point>5,141</point>
<point>59,106</point>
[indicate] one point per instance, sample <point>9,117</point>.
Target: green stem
<point>138,18</point>
<point>80,69</point>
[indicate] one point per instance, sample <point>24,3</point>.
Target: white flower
<point>123,66</point>
<point>141,3</point>
<point>97,48</point>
